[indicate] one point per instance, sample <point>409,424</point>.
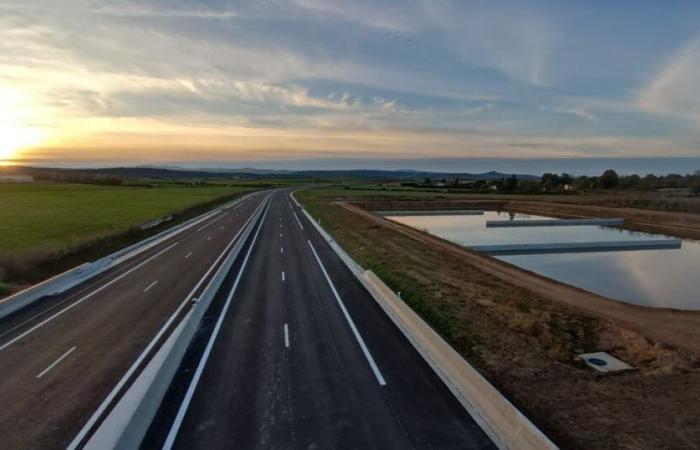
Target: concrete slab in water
<point>552,222</point>
<point>433,212</point>
<point>577,247</point>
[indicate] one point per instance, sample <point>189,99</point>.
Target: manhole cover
<point>597,362</point>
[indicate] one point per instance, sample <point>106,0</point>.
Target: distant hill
<point>178,173</point>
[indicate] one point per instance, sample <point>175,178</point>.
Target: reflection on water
<point>664,278</point>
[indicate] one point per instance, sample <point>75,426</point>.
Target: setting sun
<point>14,133</point>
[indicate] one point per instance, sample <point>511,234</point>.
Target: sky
<point>325,83</point>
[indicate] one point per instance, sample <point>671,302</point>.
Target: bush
<point>4,288</point>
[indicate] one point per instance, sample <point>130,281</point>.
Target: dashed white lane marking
<point>281,249</point>
<point>88,296</point>
<point>209,238</point>
<point>283,276</point>
<point>188,255</point>
<point>53,364</point>
<point>280,234</point>
<point>286,336</point>
<point>150,286</point>
<point>203,227</point>
<point>298,221</point>
<point>360,341</point>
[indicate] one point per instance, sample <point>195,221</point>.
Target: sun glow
<point>15,134</point>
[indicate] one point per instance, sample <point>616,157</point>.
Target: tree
<point>609,179</point>
<point>512,183</point>
<point>582,183</point>
<point>566,179</point>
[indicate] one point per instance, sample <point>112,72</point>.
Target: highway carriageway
<point>63,356</point>
<point>295,353</point>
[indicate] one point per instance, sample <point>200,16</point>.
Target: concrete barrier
<point>577,247</point>
<point>436,212</point>
<point>129,420</point>
<point>507,427</point>
<point>552,222</point>
<point>71,278</point>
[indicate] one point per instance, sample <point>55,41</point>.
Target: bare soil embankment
<point>524,338</point>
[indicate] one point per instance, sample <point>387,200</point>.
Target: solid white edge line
<point>150,286</point>
<point>286,336</point>
<point>175,427</point>
<point>105,403</point>
<point>61,358</point>
<point>361,341</point>
<point>298,221</point>
<point>77,302</point>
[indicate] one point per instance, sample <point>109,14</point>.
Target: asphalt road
<point>62,357</point>
<point>298,355</point>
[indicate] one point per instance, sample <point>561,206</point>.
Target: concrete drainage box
<point>604,362</point>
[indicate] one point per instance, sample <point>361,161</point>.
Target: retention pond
<point>660,278</point>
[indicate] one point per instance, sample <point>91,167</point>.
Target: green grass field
<point>51,216</point>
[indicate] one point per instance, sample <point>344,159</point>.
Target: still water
<point>662,278</point>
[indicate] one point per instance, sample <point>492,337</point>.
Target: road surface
<point>62,357</point>
<point>296,354</point>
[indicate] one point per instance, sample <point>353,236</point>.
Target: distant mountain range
<point>169,172</point>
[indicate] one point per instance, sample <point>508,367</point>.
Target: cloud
<point>675,90</point>
<point>578,112</point>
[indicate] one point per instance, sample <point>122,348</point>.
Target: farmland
<point>55,216</point>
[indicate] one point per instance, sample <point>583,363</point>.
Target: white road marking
<point>286,335</point>
<point>361,341</point>
<point>203,227</point>
<point>280,234</point>
<point>298,221</point>
<point>53,364</point>
<point>209,238</point>
<point>205,356</point>
<point>283,275</point>
<point>188,255</point>
<point>281,249</point>
<point>90,295</point>
<point>108,400</point>
<point>150,286</point>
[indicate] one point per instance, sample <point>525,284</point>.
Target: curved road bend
<point>287,369</point>
<point>60,358</point>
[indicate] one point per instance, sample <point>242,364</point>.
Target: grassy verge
<point>525,344</point>
<point>54,216</point>
<point>50,228</point>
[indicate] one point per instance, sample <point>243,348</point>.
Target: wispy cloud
<point>438,77</point>
<point>675,90</point>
